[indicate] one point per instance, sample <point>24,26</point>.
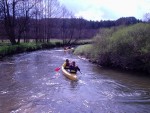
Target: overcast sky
<point>107,9</point>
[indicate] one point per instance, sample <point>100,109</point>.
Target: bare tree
<point>24,13</point>
<point>52,10</point>
<point>37,15</point>
<point>43,12</point>
<point>71,29</point>
<point>24,18</point>
<point>147,17</point>
<point>16,15</point>
<point>8,11</point>
<point>64,14</point>
<point>80,28</point>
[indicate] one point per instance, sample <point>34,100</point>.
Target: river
<point>29,84</point>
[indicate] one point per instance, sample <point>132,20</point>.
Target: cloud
<point>89,14</point>
<point>107,9</point>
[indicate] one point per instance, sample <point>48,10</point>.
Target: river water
<point>29,84</point>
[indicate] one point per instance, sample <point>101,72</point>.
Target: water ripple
<point>29,84</point>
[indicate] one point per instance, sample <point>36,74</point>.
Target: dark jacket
<point>74,69</point>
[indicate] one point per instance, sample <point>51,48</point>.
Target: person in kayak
<point>66,64</point>
<point>73,68</point>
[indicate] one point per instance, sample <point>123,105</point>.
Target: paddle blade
<point>57,69</point>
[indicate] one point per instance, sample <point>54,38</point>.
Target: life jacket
<point>66,66</point>
<point>73,69</point>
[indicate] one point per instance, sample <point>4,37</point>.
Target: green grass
<point>6,50</point>
<point>86,41</point>
<point>83,50</point>
<point>9,50</point>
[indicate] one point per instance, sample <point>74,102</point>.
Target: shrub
<point>124,47</point>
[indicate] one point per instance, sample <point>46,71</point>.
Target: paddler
<point>66,64</point>
<point>74,68</point>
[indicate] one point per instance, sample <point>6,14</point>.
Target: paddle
<point>57,69</point>
<point>80,72</point>
<point>78,69</point>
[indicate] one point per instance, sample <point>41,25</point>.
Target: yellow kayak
<point>69,75</point>
<point>69,49</point>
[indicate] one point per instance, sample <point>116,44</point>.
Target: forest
<point>43,20</point>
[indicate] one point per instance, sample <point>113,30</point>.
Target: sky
<point>107,9</point>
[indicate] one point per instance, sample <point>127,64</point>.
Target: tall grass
<point>6,50</point>
<point>83,50</point>
<point>13,49</point>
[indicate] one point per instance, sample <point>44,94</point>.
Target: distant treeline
<point>77,22</point>
<point>62,28</point>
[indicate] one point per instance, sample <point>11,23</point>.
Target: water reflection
<point>73,84</point>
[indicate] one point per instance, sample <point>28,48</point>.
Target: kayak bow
<point>69,75</point>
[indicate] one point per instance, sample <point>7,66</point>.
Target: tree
<point>147,17</point>
<point>37,15</point>
<point>53,11</point>
<point>80,26</point>
<point>64,24</point>
<point>24,13</point>
<point>15,14</point>
<point>8,14</point>
<point>43,13</point>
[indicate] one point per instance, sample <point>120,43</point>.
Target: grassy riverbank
<point>127,48</point>
<point>6,49</point>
